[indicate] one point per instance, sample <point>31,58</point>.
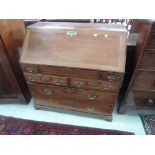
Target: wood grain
<point>46,79</point>
<point>75,105</point>
<point>144,99</point>
<point>78,94</point>
<point>144,81</point>
<point>143,77</point>
<point>148,61</point>
<point>95,84</point>
<point>75,53</point>
<point>94,47</point>
<point>13,85</point>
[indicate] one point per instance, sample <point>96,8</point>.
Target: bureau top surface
<point>76,45</point>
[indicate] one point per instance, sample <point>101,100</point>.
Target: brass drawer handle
<point>68,90</point>
<point>45,78</point>
<point>29,69</point>
<point>111,77</point>
<point>58,82</point>
<point>107,86</point>
<point>92,83</point>
<point>32,78</point>
<point>78,83</point>
<point>150,102</point>
<point>48,91</point>
<point>71,33</point>
<point>92,96</point>
<point>90,109</point>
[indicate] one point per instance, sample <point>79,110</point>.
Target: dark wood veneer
<point>140,89</point>
<point>86,60</point>
<point>13,87</point>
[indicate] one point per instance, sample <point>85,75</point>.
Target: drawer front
<point>151,44</point>
<point>144,99</point>
<point>95,84</point>
<point>111,76</point>
<point>89,96</point>
<point>148,61</point>
<point>71,104</point>
<point>144,81</point>
<point>29,68</point>
<point>47,79</point>
<point>69,72</point>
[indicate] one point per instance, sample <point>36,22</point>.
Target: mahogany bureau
<point>76,67</point>
<point>140,92</point>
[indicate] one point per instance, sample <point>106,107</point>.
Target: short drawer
<point>88,96</point>
<point>144,99</point>
<point>94,84</point>
<point>111,76</point>
<point>69,72</point>
<point>144,81</point>
<point>47,79</point>
<point>148,61</point>
<point>72,104</point>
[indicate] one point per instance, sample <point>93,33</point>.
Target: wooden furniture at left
<point>13,88</point>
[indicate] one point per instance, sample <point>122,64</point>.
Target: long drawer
<point>69,72</point>
<point>144,81</point>
<point>144,99</point>
<point>60,71</point>
<point>95,84</point>
<point>71,104</point>
<point>88,96</point>
<point>72,72</point>
<point>148,61</point>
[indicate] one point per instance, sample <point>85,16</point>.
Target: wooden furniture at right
<point>140,89</point>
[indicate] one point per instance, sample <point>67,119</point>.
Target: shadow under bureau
<point>75,66</point>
